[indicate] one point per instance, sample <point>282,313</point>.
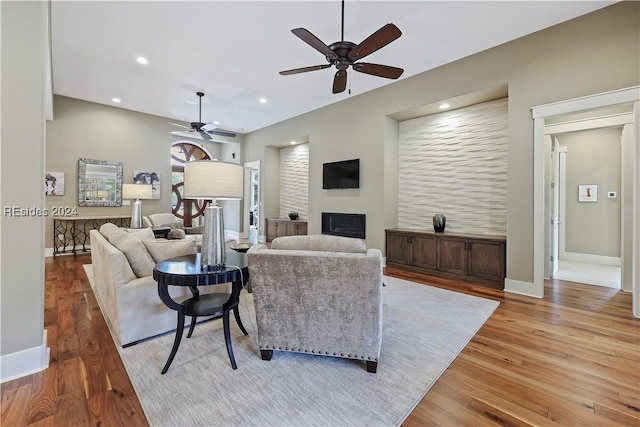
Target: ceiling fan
<point>205,130</point>
<point>343,54</point>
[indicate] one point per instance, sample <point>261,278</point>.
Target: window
<point>190,211</point>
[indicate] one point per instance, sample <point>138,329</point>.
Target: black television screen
<point>344,174</point>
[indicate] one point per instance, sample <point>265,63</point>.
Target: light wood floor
<point>572,358</point>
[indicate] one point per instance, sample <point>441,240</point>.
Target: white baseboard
<point>521,288</point>
<point>591,259</point>
<point>25,362</point>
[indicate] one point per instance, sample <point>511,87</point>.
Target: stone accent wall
<point>455,163</point>
<point>294,180</point>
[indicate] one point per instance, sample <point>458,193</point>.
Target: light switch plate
<point>611,194</point>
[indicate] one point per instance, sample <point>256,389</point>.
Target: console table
<point>74,230</point>
<point>186,271</point>
<point>471,257</point>
<point>277,227</point>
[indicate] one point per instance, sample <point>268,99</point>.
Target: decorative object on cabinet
<point>277,227</point>
<point>210,179</point>
<point>468,257</point>
<point>99,183</point>
<point>137,192</point>
<point>439,222</point>
<point>54,183</point>
<point>293,215</point>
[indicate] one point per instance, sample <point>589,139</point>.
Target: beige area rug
<point>424,329</point>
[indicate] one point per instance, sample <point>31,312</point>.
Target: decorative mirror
<point>99,183</point>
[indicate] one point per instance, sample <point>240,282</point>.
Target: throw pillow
<point>134,250</point>
<point>176,234</point>
<point>174,225</point>
<point>161,250</point>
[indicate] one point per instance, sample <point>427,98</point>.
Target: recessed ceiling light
<point>444,106</point>
<point>263,100</point>
<point>216,123</point>
<point>116,100</point>
<point>293,143</point>
<point>142,60</point>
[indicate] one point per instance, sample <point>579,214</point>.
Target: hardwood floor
<point>572,358</point>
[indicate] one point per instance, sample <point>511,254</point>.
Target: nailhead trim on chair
<point>320,352</point>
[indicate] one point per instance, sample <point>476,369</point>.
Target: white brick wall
<point>455,163</point>
<point>294,180</point>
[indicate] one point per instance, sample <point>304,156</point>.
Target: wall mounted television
<point>343,174</point>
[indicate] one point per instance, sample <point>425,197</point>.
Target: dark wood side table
<point>186,271</point>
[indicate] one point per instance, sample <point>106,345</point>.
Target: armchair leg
<point>266,354</point>
<point>372,366</point>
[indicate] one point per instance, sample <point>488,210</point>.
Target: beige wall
<point>594,53</point>
<point>22,160</point>
<point>141,141</point>
<point>593,157</point>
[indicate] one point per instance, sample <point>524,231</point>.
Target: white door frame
<point>248,166</point>
<point>540,114</point>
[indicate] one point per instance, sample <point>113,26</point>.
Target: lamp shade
<point>136,191</point>
<point>211,179</point>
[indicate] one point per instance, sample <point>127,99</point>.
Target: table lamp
<point>136,192</point>
<point>213,180</point>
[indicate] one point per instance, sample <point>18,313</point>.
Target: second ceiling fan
<point>204,130</point>
<point>344,54</point>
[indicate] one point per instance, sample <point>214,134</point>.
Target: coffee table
<point>186,271</point>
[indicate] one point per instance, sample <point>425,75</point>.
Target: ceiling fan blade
<point>205,136</point>
<point>179,125</point>
<point>375,41</point>
<point>314,42</point>
<point>304,69</point>
<point>220,132</point>
<point>378,70</point>
<point>340,81</point>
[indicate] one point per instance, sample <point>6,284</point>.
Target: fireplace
<point>346,225</point>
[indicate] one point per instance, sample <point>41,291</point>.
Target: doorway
<point>631,230</point>
<point>253,207</point>
<point>586,231</point>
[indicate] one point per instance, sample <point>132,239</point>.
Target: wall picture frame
<point>54,183</point>
<point>587,193</point>
<point>146,177</point>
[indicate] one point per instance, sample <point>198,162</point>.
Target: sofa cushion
<point>161,250</point>
<point>107,228</point>
<point>321,242</point>
<point>142,233</point>
<point>160,219</point>
<point>134,250</point>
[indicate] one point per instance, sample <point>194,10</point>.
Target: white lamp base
<point>136,214</point>
<point>213,254</point>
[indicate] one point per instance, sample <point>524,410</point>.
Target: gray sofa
<point>122,263</point>
<point>318,294</point>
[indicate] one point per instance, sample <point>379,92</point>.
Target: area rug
<point>424,329</point>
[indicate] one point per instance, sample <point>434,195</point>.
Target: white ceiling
<point>233,50</point>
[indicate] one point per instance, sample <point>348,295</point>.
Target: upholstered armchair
<point>320,295</point>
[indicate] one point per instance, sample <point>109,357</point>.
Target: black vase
<point>439,221</point>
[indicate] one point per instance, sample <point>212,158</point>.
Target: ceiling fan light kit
<point>344,54</point>
<point>205,130</point>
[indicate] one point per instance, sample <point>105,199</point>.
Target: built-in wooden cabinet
<point>285,227</point>
<point>470,257</point>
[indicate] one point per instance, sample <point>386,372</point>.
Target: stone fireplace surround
<point>344,224</point>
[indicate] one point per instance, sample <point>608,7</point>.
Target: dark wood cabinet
<point>285,227</point>
<point>477,258</point>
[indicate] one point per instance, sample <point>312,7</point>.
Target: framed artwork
<point>587,193</point>
<point>153,178</point>
<point>54,183</point>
